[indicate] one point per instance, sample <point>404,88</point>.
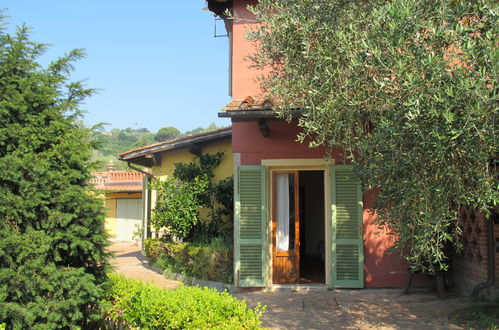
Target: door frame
<point>279,165</point>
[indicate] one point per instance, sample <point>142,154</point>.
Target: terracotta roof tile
<point>118,180</point>
<point>251,103</point>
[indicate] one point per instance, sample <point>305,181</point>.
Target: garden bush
<point>146,306</point>
<point>211,261</point>
<point>53,261</point>
<point>191,206</point>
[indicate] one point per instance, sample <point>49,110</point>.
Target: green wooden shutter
<point>250,226</point>
<point>347,244</point>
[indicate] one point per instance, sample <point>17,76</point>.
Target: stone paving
<point>322,309</point>
<point>355,309</point>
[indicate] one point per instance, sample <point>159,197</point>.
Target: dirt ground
<point>322,309</point>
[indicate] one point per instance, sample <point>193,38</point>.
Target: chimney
<point>110,166</point>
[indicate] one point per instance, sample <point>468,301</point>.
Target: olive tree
<point>408,89</point>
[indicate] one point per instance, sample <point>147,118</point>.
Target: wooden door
<point>285,228</point>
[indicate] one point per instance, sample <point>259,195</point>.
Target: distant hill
<point>110,144</point>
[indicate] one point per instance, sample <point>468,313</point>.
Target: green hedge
<point>213,262</point>
<point>146,306</point>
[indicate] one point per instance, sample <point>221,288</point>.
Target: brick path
<point>130,262</point>
<point>337,309</point>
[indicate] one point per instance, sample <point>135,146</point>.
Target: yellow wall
<point>224,170</point>
<point>110,204</point>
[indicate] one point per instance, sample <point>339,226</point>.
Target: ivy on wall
<point>190,189</point>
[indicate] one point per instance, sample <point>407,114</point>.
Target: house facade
<point>123,200</point>
<point>161,158</point>
<point>302,216</point>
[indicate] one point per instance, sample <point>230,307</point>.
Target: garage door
<point>129,218</point>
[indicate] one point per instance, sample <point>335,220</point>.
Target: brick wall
<point>470,266</point>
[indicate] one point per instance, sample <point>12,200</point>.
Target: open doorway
<point>312,243</point>
<point>298,227</point>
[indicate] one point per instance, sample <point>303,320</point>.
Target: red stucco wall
<point>381,268</point>
<point>247,140</point>
<point>243,78</point>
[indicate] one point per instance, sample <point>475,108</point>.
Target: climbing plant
<point>178,204</point>
<point>190,189</point>
<point>407,89</point>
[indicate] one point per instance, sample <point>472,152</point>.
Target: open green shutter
<point>348,247</point>
<point>250,226</point>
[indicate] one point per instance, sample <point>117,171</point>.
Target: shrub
<point>476,317</point>
<point>138,304</point>
<point>53,261</point>
<point>153,249</point>
<point>191,206</point>
<point>211,261</point>
<point>177,205</point>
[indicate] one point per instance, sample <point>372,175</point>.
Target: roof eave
<point>138,157</point>
<point>128,191</point>
<point>256,114</point>
<point>218,7</point>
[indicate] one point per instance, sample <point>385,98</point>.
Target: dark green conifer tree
<point>52,239</point>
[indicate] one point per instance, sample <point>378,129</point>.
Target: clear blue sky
<point>156,61</point>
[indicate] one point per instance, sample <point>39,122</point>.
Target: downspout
<point>491,274</point>
<point>146,222</point>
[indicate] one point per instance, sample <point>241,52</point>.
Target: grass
<point>477,317</point>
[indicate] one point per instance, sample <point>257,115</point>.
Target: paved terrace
<point>337,309</point>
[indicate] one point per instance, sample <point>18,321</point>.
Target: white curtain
<point>282,212</point>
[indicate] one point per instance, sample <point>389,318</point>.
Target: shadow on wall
<point>471,264</point>
<point>383,268</point>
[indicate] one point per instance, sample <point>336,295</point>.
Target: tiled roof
<point>129,181</point>
<point>140,155</point>
<point>177,140</point>
<point>254,108</point>
<point>250,103</point>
